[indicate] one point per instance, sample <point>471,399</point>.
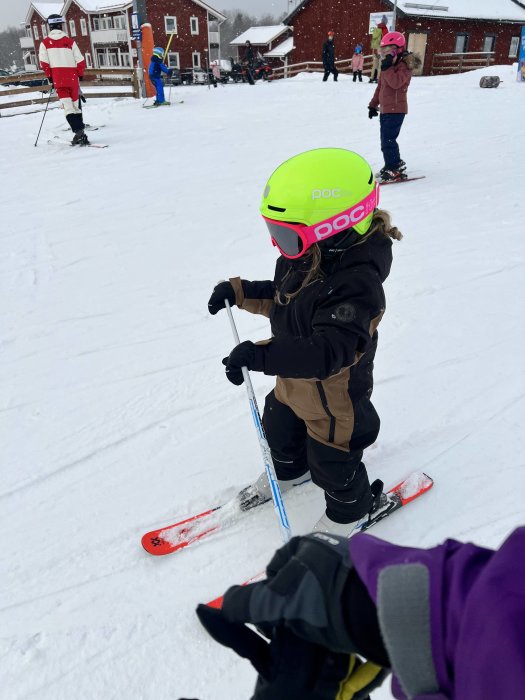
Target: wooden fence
<point>93,78</point>
<point>343,66</point>
<point>461,62</point>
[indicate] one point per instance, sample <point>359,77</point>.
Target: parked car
<point>194,76</point>
<point>176,77</point>
<point>27,82</point>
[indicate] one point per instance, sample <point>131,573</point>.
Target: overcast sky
<point>12,12</point>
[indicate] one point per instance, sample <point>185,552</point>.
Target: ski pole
<point>45,112</point>
<point>284,525</point>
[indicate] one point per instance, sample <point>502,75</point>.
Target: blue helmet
<point>358,49</point>
<point>158,51</point>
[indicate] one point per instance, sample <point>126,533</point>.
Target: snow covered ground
<point>116,417</point>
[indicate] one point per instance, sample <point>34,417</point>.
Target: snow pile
<point>116,417</point>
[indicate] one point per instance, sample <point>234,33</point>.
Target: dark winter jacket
<point>328,331</point>
<point>392,88</point>
<point>328,54</point>
<point>249,55</point>
<point>157,67</point>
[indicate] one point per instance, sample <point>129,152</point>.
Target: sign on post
<point>521,58</point>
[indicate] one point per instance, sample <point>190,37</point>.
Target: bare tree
<point>10,51</point>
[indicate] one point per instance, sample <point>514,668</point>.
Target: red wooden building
<point>102,30</point>
<point>447,26</point>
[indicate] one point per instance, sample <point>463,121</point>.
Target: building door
<point>417,43</point>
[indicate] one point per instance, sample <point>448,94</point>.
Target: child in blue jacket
<point>156,68</point>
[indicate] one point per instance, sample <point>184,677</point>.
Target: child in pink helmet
<point>390,97</point>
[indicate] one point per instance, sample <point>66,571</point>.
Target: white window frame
<point>119,22</point>
<point>514,47</point>
<point>72,28</point>
<point>95,23</point>
<point>89,61</point>
<point>44,32</point>
<point>30,34</point>
<point>196,63</point>
<point>194,25</point>
<point>125,59</point>
<point>174,20</point>
<point>83,26</point>
<point>173,59</point>
<point>35,32</point>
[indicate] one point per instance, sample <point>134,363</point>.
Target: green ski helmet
<point>316,195</point>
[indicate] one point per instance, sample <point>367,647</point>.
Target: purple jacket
<point>452,617</point>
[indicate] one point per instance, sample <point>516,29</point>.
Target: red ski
<point>174,537</point>
<point>415,485</point>
<point>403,179</point>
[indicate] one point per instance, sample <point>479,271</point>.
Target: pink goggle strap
<point>345,219</point>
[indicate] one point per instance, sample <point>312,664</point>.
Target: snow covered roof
<point>282,49</point>
<point>464,9</point>
<point>502,10</point>
<point>260,35</point>
<point>44,9</point>
<point>102,5</point>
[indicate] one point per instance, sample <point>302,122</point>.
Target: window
<point>171,25</point>
<point>28,32</point>
<point>489,43</point>
<point>173,59</point>
<point>514,46</point>
<point>124,60</point>
<point>83,26</point>
<point>102,23</point>
<point>35,32</point>
<point>72,28</point>
<point>461,43</point>
<point>196,58</point>
<point>194,25</point>
<point>89,62</point>
<point>44,30</point>
<point>119,22</point>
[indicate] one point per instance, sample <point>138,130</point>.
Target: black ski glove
<point>221,291</point>
<point>83,99</point>
<point>306,579</point>
<point>387,62</point>
<point>372,112</point>
<point>246,354</point>
<point>291,667</point>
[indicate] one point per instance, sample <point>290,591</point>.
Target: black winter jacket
<point>328,54</point>
<point>331,323</point>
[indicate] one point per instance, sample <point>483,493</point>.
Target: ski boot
<point>394,175</point>
<point>330,527</point>
<point>383,503</point>
<point>80,139</point>
<point>258,493</point>
<point>400,167</point>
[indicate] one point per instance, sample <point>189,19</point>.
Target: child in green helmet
<point>324,304</point>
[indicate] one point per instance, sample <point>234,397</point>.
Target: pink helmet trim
<point>394,39</point>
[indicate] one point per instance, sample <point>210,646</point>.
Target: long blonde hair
<point>381,224</point>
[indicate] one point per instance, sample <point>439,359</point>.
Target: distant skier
<point>358,61</point>
<point>391,94</point>
<point>324,304</point>
<point>375,42</point>
<point>329,58</point>
<point>64,65</point>
<point>156,68</point>
<point>339,615</point>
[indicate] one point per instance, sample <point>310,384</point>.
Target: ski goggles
<point>293,239</point>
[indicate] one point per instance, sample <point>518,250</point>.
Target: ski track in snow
<point>116,418</point>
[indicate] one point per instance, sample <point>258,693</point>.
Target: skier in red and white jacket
<point>64,65</point>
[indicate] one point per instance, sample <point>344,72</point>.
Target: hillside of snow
<point>115,414</point>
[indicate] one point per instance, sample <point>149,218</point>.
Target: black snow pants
<point>342,475</point>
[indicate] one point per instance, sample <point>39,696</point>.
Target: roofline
<point>210,9</point>
<point>233,43</point>
<point>117,6</point>
<point>406,15</point>
<point>32,9</point>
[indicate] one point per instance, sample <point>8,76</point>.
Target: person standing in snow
<point>391,96</point>
<point>249,61</point>
<point>358,61</point>
<point>64,65</point>
<point>329,58</point>
<point>155,71</point>
<point>324,303</point>
<point>341,614</point>
<point>375,42</point>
